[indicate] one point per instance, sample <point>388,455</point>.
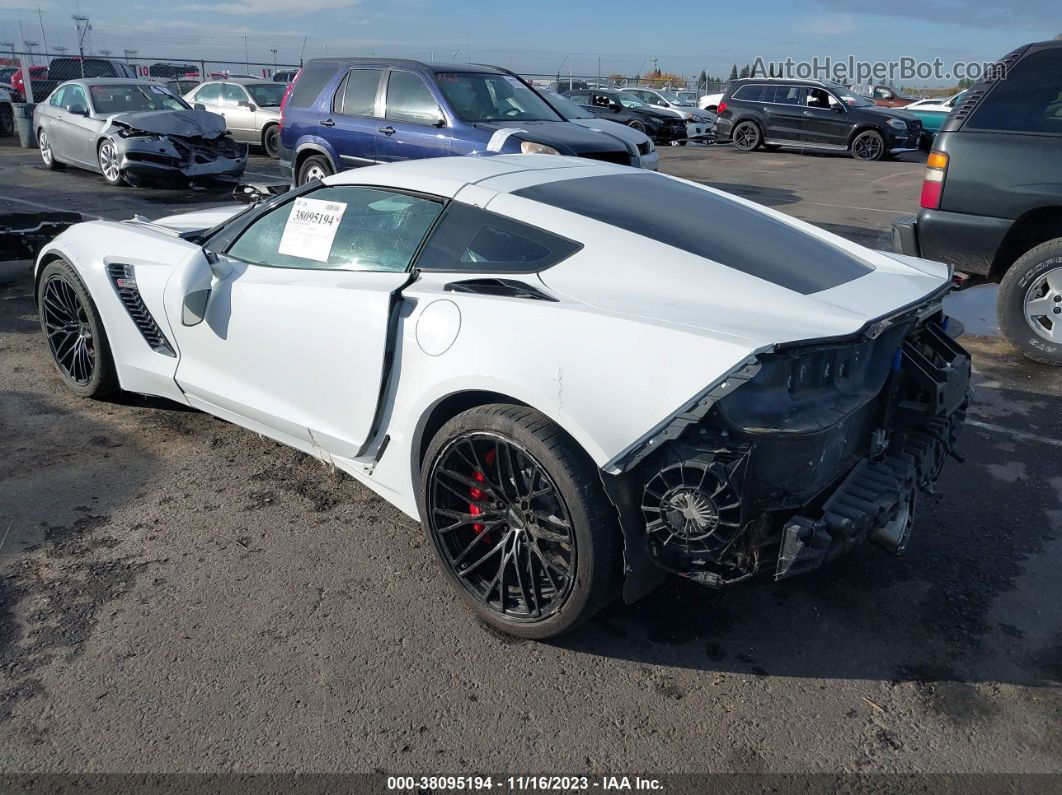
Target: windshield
<point>847,97</point>
<point>125,97</point>
<point>687,97</point>
<point>490,97</point>
<point>565,107</point>
<point>267,95</point>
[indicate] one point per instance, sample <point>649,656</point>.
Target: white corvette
<point>578,376</point>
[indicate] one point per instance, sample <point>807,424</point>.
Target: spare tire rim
<point>501,526</point>
<point>1043,305</point>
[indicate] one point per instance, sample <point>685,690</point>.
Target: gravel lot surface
<point>178,594</point>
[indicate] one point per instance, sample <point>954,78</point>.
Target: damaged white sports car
<point>578,376</point>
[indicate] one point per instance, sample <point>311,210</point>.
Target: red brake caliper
<point>478,495</point>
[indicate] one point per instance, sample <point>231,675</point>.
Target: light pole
<point>274,51</point>
<point>82,25</point>
<point>29,45</point>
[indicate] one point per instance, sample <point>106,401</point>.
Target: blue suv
<point>347,112</point>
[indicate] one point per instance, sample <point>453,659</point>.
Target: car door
<point>236,108</point>
<point>606,106</point>
<point>825,119</point>
<point>209,96</point>
<point>76,130</point>
<point>783,108</point>
<point>287,330</point>
<point>414,125</point>
<point>352,127</point>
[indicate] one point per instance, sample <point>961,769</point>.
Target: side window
<point>209,94</point>
<point>580,99</point>
<point>232,94</point>
<point>600,100</point>
<point>752,94</point>
<point>357,93</point>
<point>339,228</point>
<point>470,239</point>
<point>817,98</point>
<point>56,98</point>
<point>790,95</point>
<point>1029,100</point>
<point>75,95</point>
<point>408,99</point>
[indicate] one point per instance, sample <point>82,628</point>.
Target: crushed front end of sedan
<point>181,146</point>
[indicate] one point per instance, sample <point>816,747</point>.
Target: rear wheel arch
<point>1029,231</point>
<point>310,150</point>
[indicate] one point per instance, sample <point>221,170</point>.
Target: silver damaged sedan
<point>135,131</point>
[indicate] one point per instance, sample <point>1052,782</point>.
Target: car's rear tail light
<point>284,99</point>
<point>933,182</point>
<point>721,108</point>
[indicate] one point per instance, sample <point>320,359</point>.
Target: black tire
<point>308,166</point>
<point>59,281</point>
<point>636,125</point>
<point>271,140</point>
<point>1026,281</point>
<point>105,151</point>
<point>746,136</point>
<point>47,153</point>
<point>589,556</point>
<point>869,145</point>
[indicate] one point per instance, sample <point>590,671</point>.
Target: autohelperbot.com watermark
<point>851,70</point>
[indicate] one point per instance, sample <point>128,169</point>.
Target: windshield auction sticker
<point>311,228</point>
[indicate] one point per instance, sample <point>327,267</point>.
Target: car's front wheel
<point>74,329</point>
<point>314,167</point>
<point>868,145</point>
<point>1029,306</point>
<point>746,136</point>
<point>636,125</point>
<point>107,155</point>
<point>519,521</point>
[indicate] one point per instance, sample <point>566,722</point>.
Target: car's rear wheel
<point>47,154</point>
<point>746,136</point>
<point>1029,306</point>
<point>314,167</point>
<point>107,155</point>
<point>271,141</point>
<point>519,520</point>
<point>76,338</point>
<point>868,145</point>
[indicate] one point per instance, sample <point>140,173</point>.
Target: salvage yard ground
<point>178,594</point>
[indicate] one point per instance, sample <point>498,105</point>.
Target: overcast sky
<point>541,35</point>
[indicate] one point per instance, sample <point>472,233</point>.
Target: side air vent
<point>123,277</point>
<point>506,288</point>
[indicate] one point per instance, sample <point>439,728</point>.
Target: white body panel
<point>637,331</point>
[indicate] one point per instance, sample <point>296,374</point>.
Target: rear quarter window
<point>1029,100</point>
<point>468,239</point>
<point>315,76</point>
<point>750,93</point>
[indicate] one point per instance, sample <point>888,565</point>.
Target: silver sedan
<point>134,131</point>
<point>251,109</point>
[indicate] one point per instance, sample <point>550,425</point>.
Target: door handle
<point>388,130</point>
<point>328,123</point>
<point>809,113</point>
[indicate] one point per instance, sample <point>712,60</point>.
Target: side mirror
<point>199,106</point>
<point>838,108</point>
<point>440,121</point>
<point>78,110</point>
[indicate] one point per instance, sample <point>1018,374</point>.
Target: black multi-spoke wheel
<point>868,145</point>
<point>74,331</point>
<point>519,521</point>
<point>746,137</point>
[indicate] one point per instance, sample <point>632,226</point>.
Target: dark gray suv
<point>992,196</point>
<point>812,114</point>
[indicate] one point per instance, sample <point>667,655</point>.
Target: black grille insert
<point>123,277</point>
